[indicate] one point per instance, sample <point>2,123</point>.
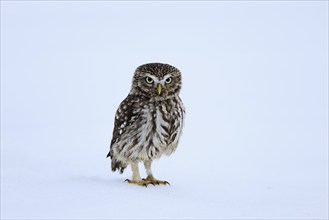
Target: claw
<point>145,183</point>
<point>149,182</point>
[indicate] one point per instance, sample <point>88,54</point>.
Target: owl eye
<point>168,80</point>
<point>149,80</point>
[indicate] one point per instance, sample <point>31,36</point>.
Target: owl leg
<point>136,178</point>
<point>150,178</point>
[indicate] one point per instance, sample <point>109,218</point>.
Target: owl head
<point>156,80</point>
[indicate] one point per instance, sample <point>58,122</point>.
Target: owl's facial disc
<point>159,85</point>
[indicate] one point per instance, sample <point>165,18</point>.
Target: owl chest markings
<point>153,129</point>
<point>156,124</point>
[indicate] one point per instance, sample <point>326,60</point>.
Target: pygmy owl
<point>148,122</point>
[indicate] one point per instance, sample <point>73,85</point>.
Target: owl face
<point>157,80</point>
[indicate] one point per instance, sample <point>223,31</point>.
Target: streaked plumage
<point>149,122</point>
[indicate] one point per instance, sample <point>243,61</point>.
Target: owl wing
<point>126,115</point>
<point>177,120</point>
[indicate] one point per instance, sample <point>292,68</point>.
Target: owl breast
<point>155,131</point>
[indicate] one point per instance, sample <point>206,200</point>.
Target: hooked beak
<point>159,89</point>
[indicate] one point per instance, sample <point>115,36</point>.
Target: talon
<point>166,183</point>
<point>127,180</point>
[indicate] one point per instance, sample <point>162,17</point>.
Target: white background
<point>255,87</point>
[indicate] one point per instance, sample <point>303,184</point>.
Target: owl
<point>148,122</point>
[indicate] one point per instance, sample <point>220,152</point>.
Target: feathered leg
<point>150,177</point>
<point>136,178</point>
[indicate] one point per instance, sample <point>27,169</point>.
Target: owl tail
<point>118,165</point>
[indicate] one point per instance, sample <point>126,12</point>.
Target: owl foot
<point>139,182</point>
<point>154,181</point>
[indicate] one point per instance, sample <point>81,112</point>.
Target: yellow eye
<point>168,80</point>
<point>149,80</point>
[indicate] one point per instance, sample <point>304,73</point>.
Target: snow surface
<point>255,74</point>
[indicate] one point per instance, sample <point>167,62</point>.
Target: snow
<point>255,88</point>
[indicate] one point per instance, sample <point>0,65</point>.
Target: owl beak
<point>159,89</point>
